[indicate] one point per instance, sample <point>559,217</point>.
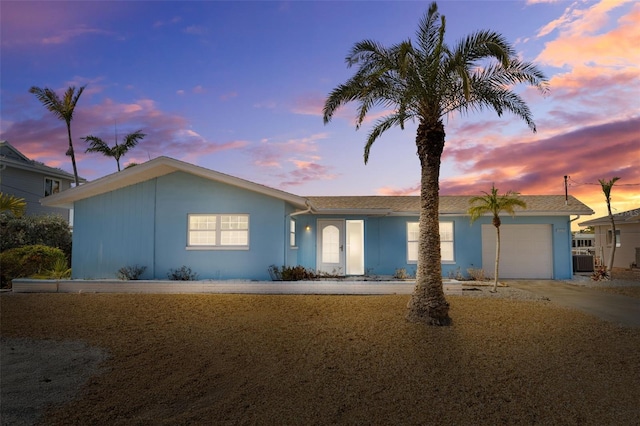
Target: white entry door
<point>330,246</point>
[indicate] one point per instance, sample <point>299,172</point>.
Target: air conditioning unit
<point>582,263</point>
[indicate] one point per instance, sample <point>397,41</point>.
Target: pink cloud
<point>538,167</point>
<point>310,104</point>
<point>47,23</point>
<point>273,153</point>
<point>45,138</point>
<point>307,172</point>
<point>617,47</point>
<point>227,96</point>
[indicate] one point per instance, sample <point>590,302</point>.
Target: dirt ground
<point>277,359</point>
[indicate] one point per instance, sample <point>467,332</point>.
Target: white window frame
<point>219,228</point>
<point>411,234</point>
<point>292,233</point>
<point>52,190</point>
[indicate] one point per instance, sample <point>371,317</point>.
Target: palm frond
<point>10,203</point>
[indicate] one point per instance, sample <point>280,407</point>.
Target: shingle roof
<point>10,156</point>
<point>449,204</point>
<point>628,216</point>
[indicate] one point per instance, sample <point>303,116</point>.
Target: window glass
<point>218,230</point>
<point>51,186</point>
<point>292,233</point>
<point>446,241</point>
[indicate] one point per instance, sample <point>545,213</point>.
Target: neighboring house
<point>583,244</point>
<point>627,238</point>
<point>32,180</point>
<point>165,213</point>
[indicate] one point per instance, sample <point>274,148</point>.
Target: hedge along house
<point>165,213</point>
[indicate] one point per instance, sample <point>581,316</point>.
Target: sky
<point>239,87</point>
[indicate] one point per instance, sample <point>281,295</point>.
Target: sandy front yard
<point>275,359</point>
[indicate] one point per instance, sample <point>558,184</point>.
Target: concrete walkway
<point>611,307</point>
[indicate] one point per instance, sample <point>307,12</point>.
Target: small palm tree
<point>606,189</point>
<point>12,204</point>
<point>117,151</point>
<point>424,82</point>
<point>494,204</point>
<point>63,109</point>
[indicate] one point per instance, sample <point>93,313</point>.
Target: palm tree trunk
<point>428,304</point>
<point>614,241</point>
<point>495,272</point>
<point>72,155</point>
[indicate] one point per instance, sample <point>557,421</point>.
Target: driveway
<point>615,308</point>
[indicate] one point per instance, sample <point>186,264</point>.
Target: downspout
<point>286,234</point>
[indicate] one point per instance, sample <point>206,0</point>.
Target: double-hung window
<point>446,241</point>
<point>218,231</point>
<point>51,186</point>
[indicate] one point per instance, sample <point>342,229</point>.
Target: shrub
<point>182,274</point>
<point>48,230</point>
<point>401,274</point>
<point>21,262</point>
<point>476,274</point>
<point>291,273</point>
<point>600,274</point>
<point>130,272</point>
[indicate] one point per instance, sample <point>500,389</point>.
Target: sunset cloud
<point>45,139</point>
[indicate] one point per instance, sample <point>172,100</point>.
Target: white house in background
<point>582,243</point>
<point>32,180</point>
<point>627,237</point>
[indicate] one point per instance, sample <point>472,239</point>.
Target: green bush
<point>48,230</point>
<point>27,261</point>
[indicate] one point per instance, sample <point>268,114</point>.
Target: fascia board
<point>156,168</point>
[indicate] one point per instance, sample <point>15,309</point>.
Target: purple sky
<point>238,87</point>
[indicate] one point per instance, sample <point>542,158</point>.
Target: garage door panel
<point>526,251</point>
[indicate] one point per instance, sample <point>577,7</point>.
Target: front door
<point>330,246</point>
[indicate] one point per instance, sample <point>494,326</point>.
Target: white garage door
<point>526,251</point>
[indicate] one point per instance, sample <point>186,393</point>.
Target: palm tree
<point>606,189</point>
<point>117,151</point>
<point>63,109</point>
<point>425,82</point>
<point>494,204</point>
<point>12,204</point>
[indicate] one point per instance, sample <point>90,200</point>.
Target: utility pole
<point>566,191</point>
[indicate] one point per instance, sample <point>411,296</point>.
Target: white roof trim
<point>152,169</point>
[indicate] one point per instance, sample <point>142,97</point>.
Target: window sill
<point>217,248</point>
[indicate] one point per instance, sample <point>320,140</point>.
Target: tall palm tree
<point>63,109</point>
<point>425,82</point>
<point>117,151</point>
<point>495,204</point>
<point>607,185</point>
<point>12,204</point>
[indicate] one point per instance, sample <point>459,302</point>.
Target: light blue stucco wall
<point>146,224</point>
<point>113,230</point>
<point>386,243</point>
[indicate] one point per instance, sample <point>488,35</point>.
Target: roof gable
<point>152,169</point>
<point>10,156</point>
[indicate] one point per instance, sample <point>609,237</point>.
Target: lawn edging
<point>26,285</point>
